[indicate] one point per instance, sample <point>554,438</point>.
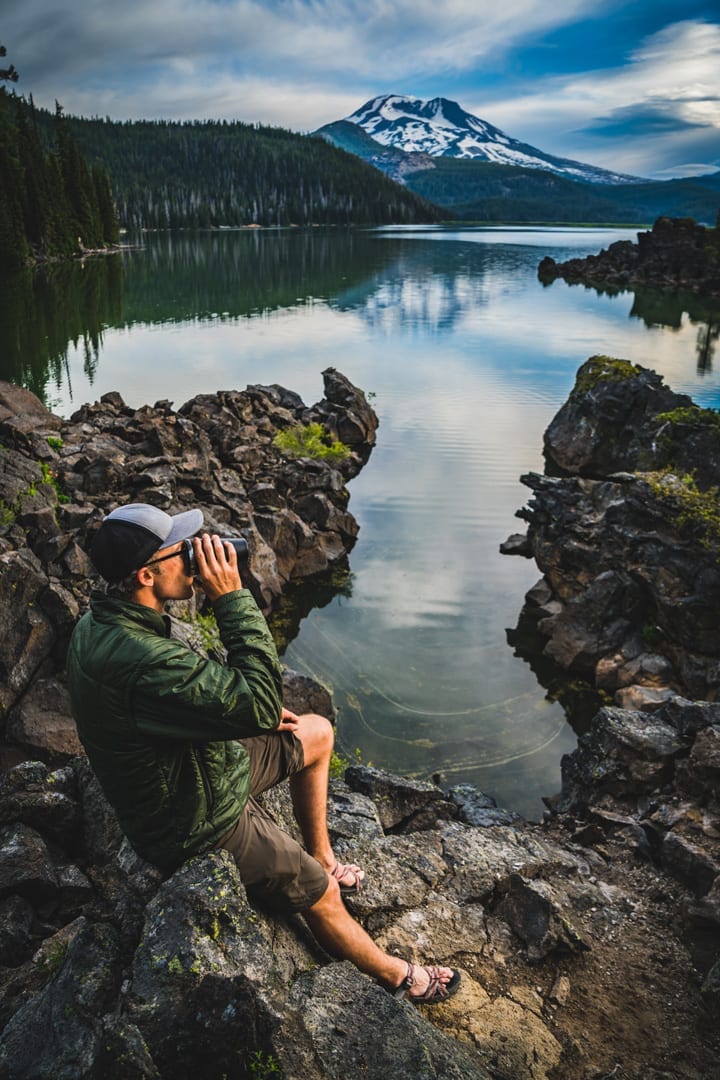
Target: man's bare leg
<point>309,789</point>
<point>328,919</point>
<point>342,937</point>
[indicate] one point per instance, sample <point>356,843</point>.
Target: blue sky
<point>633,86</point>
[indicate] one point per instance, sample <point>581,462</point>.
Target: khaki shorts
<point>274,868</point>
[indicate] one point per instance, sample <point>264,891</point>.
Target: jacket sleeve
<point>179,694</point>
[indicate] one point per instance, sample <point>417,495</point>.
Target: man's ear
<point>145,576</point>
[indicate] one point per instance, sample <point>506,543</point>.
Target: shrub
<point>311,441</point>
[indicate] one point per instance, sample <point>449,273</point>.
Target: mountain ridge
<point>440,127</point>
<point>477,189</point>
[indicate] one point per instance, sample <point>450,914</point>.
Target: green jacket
<point>159,723</point>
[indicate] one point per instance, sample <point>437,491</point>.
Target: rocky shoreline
<point>675,254</point>
<point>589,942</point>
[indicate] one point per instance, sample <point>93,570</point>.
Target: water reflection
<point>671,308</point>
<point>469,358</point>
<point>43,313</point>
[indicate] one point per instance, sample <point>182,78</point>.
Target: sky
<point>630,85</point>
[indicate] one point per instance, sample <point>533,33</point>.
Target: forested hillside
<point>473,190</point>
<point>51,203</point>
<point>215,173</point>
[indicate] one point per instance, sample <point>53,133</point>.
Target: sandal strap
<point>339,871</point>
<point>435,987</point>
<point>408,982</point>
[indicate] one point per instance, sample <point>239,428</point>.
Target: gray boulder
<point>338,1016</point>
<point>59,1031</point>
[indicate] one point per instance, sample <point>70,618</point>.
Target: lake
<point>466,357</point>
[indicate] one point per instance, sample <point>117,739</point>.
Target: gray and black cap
<point>130,535</point>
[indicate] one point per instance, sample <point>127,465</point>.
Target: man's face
<point>171,580</point>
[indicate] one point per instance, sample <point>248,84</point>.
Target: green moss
<point>693,416</point>
<point>54,958</point>
<point>54,441</point>
<point>599,369</point>
<point>175,966</point>
<point>690,507</point>
<point>311,441</point>
<point>7,513</point>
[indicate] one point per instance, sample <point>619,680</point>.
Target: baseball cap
<point>130,535</point>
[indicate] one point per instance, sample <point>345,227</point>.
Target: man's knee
<point>330,899</point>
<point>317,736</point>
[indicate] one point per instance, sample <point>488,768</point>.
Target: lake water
<point>467,358</point>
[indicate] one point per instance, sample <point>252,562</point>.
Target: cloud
<point>223,57</point>
<point>667,92</point>
<point>303,63</point>
<point>643,119</point>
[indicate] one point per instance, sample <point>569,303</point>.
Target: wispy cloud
<point>303,63</point>
<point>212,54</point>
<point>665,100</point>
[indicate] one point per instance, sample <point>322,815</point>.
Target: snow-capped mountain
<point>441,128</point>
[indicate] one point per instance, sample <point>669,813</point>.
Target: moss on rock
<point>600,369</point>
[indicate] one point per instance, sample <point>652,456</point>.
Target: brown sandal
<point>437,990</point>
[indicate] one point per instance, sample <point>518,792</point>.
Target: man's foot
<point>431,985</point>
<point>348,876</point>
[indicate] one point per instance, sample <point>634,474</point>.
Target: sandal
<point>437,990</point>
<point>341,870</point>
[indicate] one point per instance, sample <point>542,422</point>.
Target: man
<point>181,744</point>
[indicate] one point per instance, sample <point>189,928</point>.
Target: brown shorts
<point>274,868</point>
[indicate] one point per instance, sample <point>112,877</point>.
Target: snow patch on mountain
<point>442,128</point>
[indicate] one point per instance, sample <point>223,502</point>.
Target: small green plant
<point>55,442</point>
<point>206,628</point>
<point>262,1065</point>
<point>311,441</point>
<point>7,514</point>
<point>49,477</point>
<point>339,763</point>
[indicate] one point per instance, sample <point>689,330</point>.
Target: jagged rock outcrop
<point>588,943</point>
<point>627,544</point>
<point>59,477</point>
<point>177,976</point>
<point>675,253</point>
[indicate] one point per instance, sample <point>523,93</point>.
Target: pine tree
<point>7,74</point>
<point>13,245</point>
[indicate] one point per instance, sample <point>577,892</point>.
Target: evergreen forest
<point>485,191</point>
<point>474,190</point>
<point>52,203</point>
<point>212,173</point>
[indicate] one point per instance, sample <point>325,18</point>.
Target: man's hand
<point>288,721</point>
<point>217,566</point>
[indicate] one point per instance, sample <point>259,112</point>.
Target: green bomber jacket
<point>160,724</point>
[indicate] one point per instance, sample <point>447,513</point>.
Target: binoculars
<point>240,545</point>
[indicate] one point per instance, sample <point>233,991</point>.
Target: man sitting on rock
<point>181,744</point>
